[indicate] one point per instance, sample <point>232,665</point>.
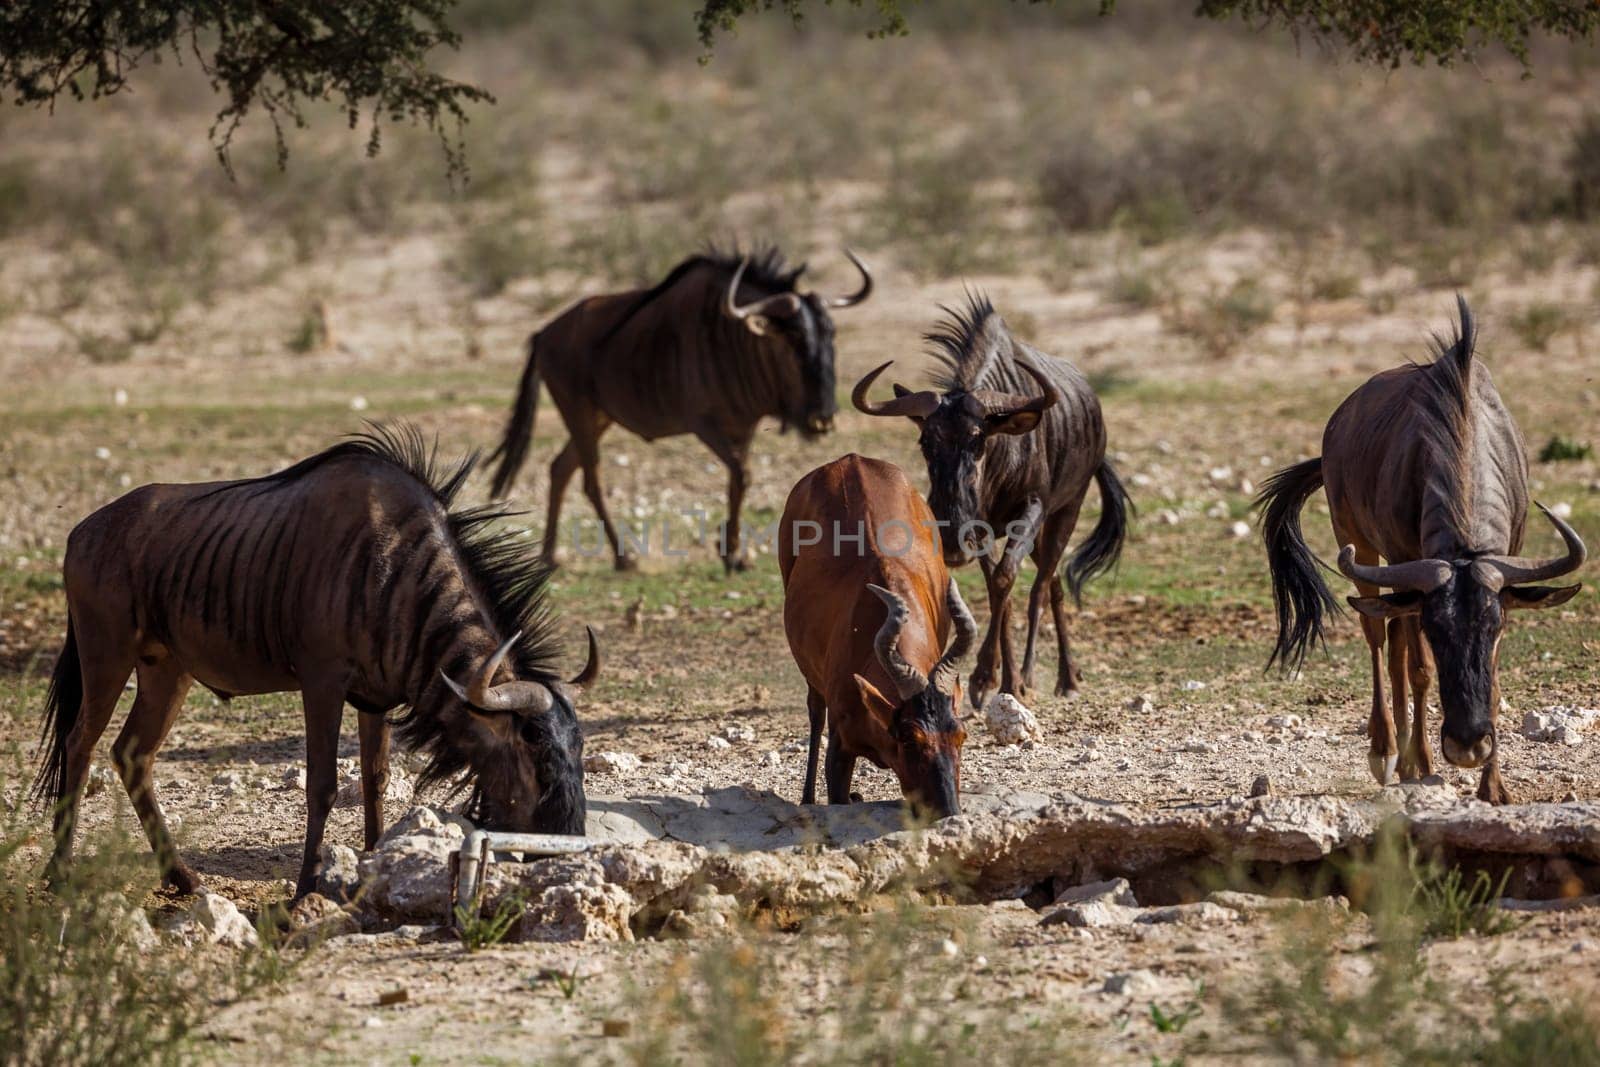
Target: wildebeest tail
<point>1298,591</point>
<point>61,708</point>
<point>1100,552</point>
<point>513,448</point>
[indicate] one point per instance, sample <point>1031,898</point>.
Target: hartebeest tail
<point>1103,548</point>
<point>60,717</point>
<point>513,450</point>
<point>1301,596</point>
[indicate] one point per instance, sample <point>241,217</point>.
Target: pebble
<point>1130,983</point>
<point>1261,787</point>
<point>1141,704</point>
<point>717,744</point>
<point>1239,530</point>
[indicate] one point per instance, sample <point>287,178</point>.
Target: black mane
<point>767,270</point>
<point>1446,398</point>
<point>955,343</point>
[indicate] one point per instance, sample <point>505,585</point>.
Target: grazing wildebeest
<point>721,342</point>
<point>858,557</point>
<point>1424,467</point>
<point>347,577</point>
<point>1012,438</point>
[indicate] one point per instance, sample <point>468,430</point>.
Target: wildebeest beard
<point>547,752</point>
<point>809,337</point>
<point>1462,622</point>
<point>952,454</point>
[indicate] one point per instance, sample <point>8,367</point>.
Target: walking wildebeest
<point>719,343</point>
<point>347,577</point>
<point>1012,438</point>
<point>858,557</point>
<point>1424,467</point>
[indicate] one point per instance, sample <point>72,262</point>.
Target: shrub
<point>1561,449</point>
<point>1538,324</point>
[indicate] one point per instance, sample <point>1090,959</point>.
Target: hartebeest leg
<point>162,686</point>
<point>733,449</point>
<point>1417,754</point>
<point>1490,786</point>
<point>1053,537</point>
<point>818,710</point>
<point>562,468</point>
<point>374,733</point>
<point>105,667</point>
<point>839,768</point>
<point>1068,677</point>
<point>324,708</point>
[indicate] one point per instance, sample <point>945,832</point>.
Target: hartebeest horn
<point>508,696</point>
<point>591,669</point>
<point>948,668</point>
<point>1517,570</point>
<point>860,294</point>
<point>913,405</point>
<point>908,681</point>
<point>754,315</point>
<point>993,403</point>
<point>1420,576</point>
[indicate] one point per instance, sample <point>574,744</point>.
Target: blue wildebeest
<point>347,577</point>
<point>1424,468</point>
<point>1013,438</point>
<point>720,343</point>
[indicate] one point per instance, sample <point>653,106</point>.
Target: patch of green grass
<point>1562,449</point>
<point>1224,319</point>
<point>479,931</point>
<point>1536,325</point>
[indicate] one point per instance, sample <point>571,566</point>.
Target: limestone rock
<point>396,794</point>
<point>612,763</point>
<point>215,919</point>
<point>407,877</point>
<point>338,872</point>
<point>1008,721</point>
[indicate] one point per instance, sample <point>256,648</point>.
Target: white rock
<point>1239,530</point>
<point>1283,722</point>
<point>358,403</point>
<point>396,794</point>
<point>771,759</point>
<point>1141,704</point>
<point>1560,724</point>
<point>100,778</point>
<point>738,733</point>
<point>718,744</point>
<point>1221,474</point>
<point>612,763</point>
<point>1008,721</point>
<point>1199,745</point>
<point>294,778</point>
<point>1131,983</point>
<point>1561,509</point>
<point>222,921</point>
<point>1192,686</point>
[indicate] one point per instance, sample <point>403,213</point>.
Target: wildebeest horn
<point>753,314</point>
<point>1421,575</point>
<point>860,294</point>
<point>994,403</point>
<point>947,669</point>
<point>591,669</point>
<point>509,696</point>
<point>908,681</point>
<point>1516,570</point>
<point>915,405</point>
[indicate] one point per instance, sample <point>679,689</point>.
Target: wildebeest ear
<point>1016,422</point>
<point>1537,596</point>
<point>1387,605</point>
<point>873,699</point>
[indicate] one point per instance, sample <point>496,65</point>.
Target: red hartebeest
<point>1425,468</point>
<point>868,607</point>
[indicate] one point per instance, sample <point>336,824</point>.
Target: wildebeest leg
<point>324,707</point>
<point>981,683</point>
<point>1417,663</point>
<point>819,717</point>
<point>1398,650</point>
<point>1053,537</point>
<point>374,733</point>
<point>1068,677</point>
<point>588,444</point>
<point>734,452</point>
<point>839,768</point>
<point>562,468</point>
<point>1383,751</point>
<point>1022,537</point>
<point>1491,787</point>
<point>105,668</point>
<point>162,686</point>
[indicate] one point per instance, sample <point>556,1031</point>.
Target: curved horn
<point>915,405</point>
<point>510,696</point>
<point>908,681</point>
<point>945,671</point>
<point>591,669</point>
<point>1518,570</point>
<point>860,294</point>
<point>752,314</point>
<point>1014,403</point>
<point>1421,575</point>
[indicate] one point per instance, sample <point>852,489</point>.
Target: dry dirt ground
<point>690,653</point>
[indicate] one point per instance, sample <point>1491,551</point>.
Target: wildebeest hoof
<point>181,880</point>
<point>627,563</point>
<point>1382,766</point>
<point>856,798</point>
<point>739,564</point>
<point>1071,692</point>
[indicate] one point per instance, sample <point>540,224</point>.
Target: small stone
<point>1261,787</point>
<point>612,763</point>
<point>100,778</point>
<point>1131,983</point>
<point>338,872</point>
<point>949,948</point>
<point>1141,704</point>
<point>1008,721</point>
<point>358,403</point>
<point>1113,890</point>
<point>1561,509</point>
<point>616,1027</point>
<point>717,744</point>
<point>1199,745</point>
<point>1284,722</point>
<point>771,759</point>
<point>738,734</point>
<point>223,921</point>
<point>393,996</point>
<point>1239,531</point>
<point>294,778</point>
<point>1193,685</point>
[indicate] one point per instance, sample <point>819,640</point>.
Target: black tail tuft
<point>1103,548</point>
<point>513,448</point>
<point>1300,595</point>
<point>61,709</point>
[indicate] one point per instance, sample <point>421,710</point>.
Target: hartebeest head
<point>801,321</point>
<point>920,714</point>
<point>1461,605</point>
<point>523,747</point>
<point>956,428</point>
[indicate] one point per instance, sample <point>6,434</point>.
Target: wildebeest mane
<point>767,270</point>
<point>975,350</point>
<point>1445,398</point>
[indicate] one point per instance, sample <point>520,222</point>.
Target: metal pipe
<point>478,851</point>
